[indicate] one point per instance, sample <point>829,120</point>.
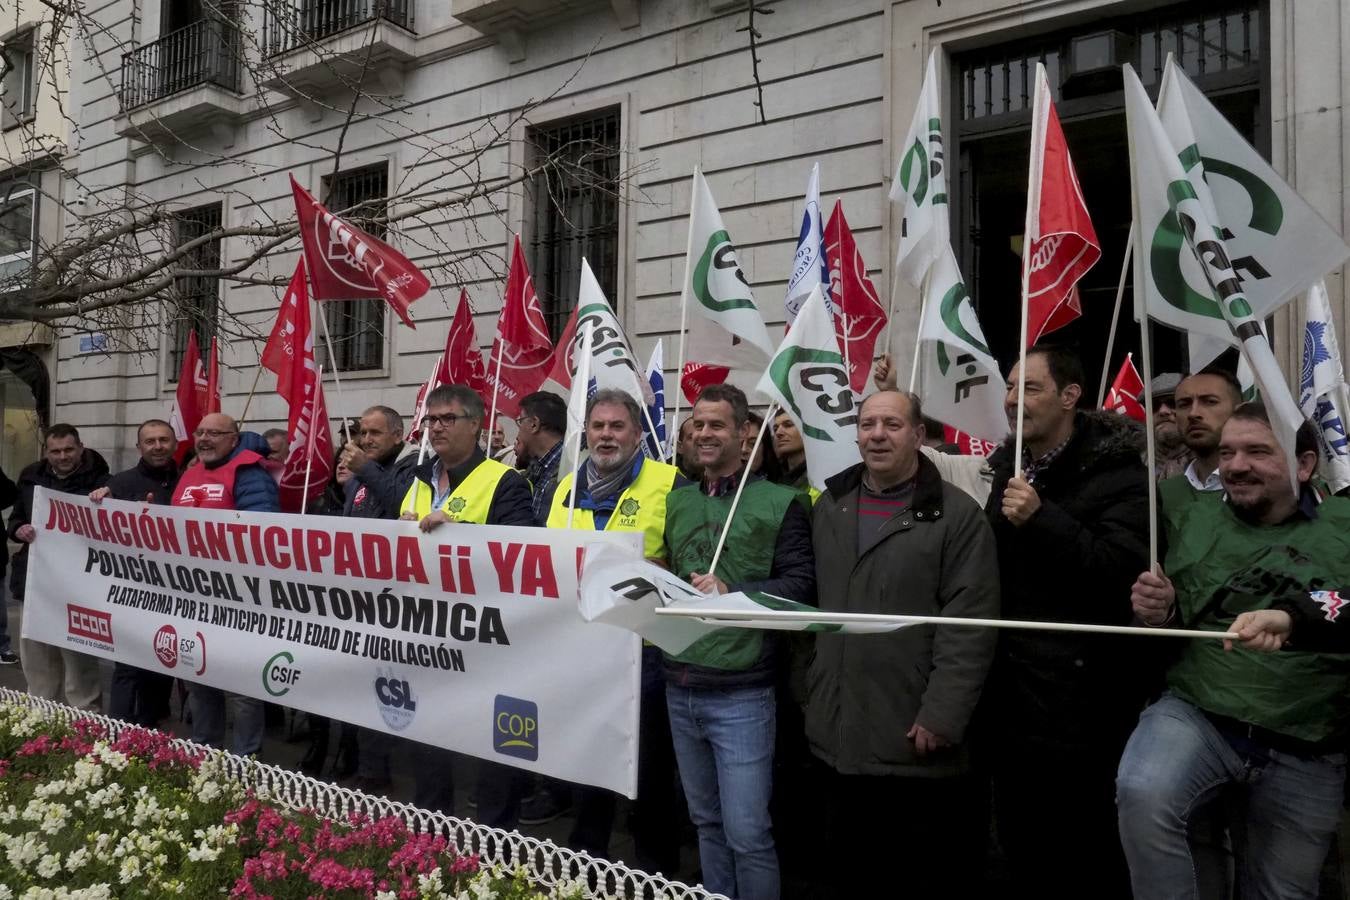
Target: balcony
<point>510,20</point>
<point>185,81</point>
<point>321,44</point>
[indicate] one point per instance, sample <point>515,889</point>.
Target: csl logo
<point>190,650</point>
<point>394,696</point>
<point>280,674</point>
<point>89,625</point>
<point>515,727</point>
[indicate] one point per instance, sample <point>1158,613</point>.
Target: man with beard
<point>686,460</point>
<point>1266,732</point>
<point>619,489</point>
<point>1204,401</point>
<point>1169,445</point>
<point>1070,521</point>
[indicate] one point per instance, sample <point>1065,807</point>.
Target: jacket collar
<point>163,473</point>
<point>927,502</point>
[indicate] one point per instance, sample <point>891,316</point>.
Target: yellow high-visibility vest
<point>641,507</point>
<point>470,501</point>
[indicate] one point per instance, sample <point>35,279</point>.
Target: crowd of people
<point>933,758</point>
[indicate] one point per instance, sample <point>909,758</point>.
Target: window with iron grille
<point>575,211</point>
<point>196,298</point>
<point>357,326</point>
<point>16,104</point>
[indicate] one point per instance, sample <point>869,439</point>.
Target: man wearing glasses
<point>461,484</point>
<point>228,474</point>
<point>542,423</point>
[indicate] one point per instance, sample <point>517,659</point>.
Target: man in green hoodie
<point>1269,729</point>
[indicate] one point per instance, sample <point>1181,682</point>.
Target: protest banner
<point>468,637</point>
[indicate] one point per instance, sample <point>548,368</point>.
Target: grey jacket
<point>865,691</point>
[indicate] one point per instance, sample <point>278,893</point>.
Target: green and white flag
<point>612,362</point>
<point>920,184</point>
<point>725,326</point>
<point>807,378</point>
<point>1162,193</point>
<point>1277,243</point>
<point>962,385</point>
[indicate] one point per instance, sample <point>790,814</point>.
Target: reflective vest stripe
<point>470,501</point>
<point>641,507</point>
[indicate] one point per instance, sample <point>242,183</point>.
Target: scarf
<point>601,487</point>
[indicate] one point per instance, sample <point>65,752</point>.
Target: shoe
<point>8,658</point>
<point>540,807</point>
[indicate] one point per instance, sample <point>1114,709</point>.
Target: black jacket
<point>512,502</point>
<point>91,473</point>
<point>141,481</point>
<point>377,491</point>
<point>1074,561</point>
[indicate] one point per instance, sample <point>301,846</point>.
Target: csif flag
<point>1126,391</point>
<point>962,383</point>
<point>613,364</point>
<point>1162,193</point>
<point>1059,244</point>
<point>461,362</point>
<point>726,331</point>
<point>1323,396</point>
<point>920,184</point>
<point>190,397</point>
<point>522,350</point>
<point>289,353</point>
<point>809,267</point>
<point>346,263</point>
<point>807,379</point>
<point>859,317</point>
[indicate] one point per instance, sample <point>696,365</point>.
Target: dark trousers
<point>139,696</point>
<point>930,831</point>
<point>499,788</point>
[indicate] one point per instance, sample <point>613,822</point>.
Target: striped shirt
<point>875,509</point>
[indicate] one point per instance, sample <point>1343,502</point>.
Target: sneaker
<point>540,807</point>
<point>8,658</point>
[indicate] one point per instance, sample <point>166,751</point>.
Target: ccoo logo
<point>395,699</point>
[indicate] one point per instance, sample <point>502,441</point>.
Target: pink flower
<point>38,746</point>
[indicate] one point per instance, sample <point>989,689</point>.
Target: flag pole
<point>918,335</point>
<point>1150,452</point>
<point>243,417</point>
<point>1115,316</point>
<point>421,456</point>
<point>672,439</point>
<point>309,444</point>
<point>582,379</point>
<point>848,364</point>
<point>890,309</point>
<point>496,391</point>
<point>745,476</point>
<point>337,382</point>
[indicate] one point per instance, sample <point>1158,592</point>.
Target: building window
<point>20,70</point>
<point>575,206</point>
<point>17,231</point>
<point>357,326</point>
<point>196,298</point>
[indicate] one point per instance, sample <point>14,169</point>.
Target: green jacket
<point>768,549</point>
<point>1221,567</point>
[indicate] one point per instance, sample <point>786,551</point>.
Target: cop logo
<point>515,727</point>
<point>280,674</point>
<point>456,504</point>
<point>395,699</point>
<point>629,507</point>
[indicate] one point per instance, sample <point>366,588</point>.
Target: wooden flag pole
<point>337,382</point>
<point>1115,317</point>
<point>243,416</point>
<point>580,379</point>
<point>918,336</point>
<point>745,476</point>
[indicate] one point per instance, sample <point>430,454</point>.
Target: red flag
<point>968,445</point>
<point>345,263</point>
<point>696,376</point>
<point>1060,244</point>
<point>461,362</point>
<point>522,352</point>
<point>1126,391</point>
<point>190,398</point>
<point>290,354</point>
<point>859,316</point>
<point>213,382</point>
<point>562,356</point>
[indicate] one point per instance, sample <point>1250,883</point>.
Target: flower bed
<point>92,808</point>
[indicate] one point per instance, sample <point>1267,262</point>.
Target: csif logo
<point>280,674</point>
<point>89,626</point>
<point>395,699</point>
<point>515,727</point>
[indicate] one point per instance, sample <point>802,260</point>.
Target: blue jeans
<point>724,748</point>
<point>207,705</point>
<point>1287,810</point>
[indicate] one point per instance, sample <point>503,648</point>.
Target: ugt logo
<point>515,727</point>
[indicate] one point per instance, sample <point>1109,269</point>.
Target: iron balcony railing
<point>205,52</point>
<point>295,23</point>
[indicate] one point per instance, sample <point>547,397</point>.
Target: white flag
<point>1323,396</point>
<point>808,263</point>
<point>583,385</point>
<point>1162,193</point>
<point>962,385</point>
<point>612,362</point>
<point>808,379</point>
<point>920,183</point>
<point>725,326</point>
<point>1277,244</point>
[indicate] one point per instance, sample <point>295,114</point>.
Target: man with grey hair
<point>620,489</point>
<point>381,474</point>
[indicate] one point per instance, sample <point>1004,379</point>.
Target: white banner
<point>467,638</point>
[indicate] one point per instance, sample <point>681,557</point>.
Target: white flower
<point>77,859</point>
<point>131,868</point>
<point>203,854</point>
<point>49,866</point>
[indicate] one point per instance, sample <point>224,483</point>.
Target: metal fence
<point>205,52</point>
<point>294,23</point>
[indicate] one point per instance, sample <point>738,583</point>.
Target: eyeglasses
<point>444,421</point>
<point>521,420</point>
<point>203,432</point>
